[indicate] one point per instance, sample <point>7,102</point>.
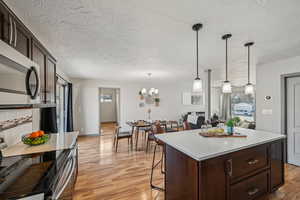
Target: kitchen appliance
<point>47,176</point>
<point>19,79</point>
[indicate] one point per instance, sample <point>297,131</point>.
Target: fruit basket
<point>35,138</point>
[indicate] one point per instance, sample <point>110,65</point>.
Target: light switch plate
<point>267,111</point>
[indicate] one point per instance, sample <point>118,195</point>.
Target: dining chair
<point>173,126</point>
<point>186,126</point>
<point>156,129</point>
<point>122,135</point>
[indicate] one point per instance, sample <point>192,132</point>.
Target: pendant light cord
<point>197,53</point>
<point>248,64</point>
<point>226,67</point>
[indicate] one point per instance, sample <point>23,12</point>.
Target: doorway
<point>109,99</point>
<point>293,120</point>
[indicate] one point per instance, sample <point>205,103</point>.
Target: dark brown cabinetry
<point>50,80</point>
<point>22,39</point>
<point>14,33</point>
<point>47,72</point>
<point>5,24</point>
<point>39,57</point>
<point>247,174</point>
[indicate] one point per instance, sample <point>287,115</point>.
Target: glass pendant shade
<point>227,87</point>
<point>151,91</point>
<point>156,91</point>
<point>197,85</point>
<point>144,91</point>
<point>249,89</point>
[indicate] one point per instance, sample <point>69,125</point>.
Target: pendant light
<point>197,85</point>
<point>226,85</point>
<point>249,88</point>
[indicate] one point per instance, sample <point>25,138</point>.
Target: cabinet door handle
<point>253,162</point>
<point>229,167</point>
<point>16,34</point>
<point>253,191</point>
<point>11,30</point>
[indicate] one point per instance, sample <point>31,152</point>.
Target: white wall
<point>86,102</point>
<point>268,83</point>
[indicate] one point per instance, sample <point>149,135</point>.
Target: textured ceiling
<point>125,39</point>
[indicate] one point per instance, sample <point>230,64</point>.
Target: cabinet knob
<point>253,162</point>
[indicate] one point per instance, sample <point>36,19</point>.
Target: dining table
<point>139,125</point>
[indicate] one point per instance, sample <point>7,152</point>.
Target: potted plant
<point>231,123</point>
<point>141,95</point>
<point>156,100</point>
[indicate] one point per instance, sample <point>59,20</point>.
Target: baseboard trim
<point>108,122</point>
<point>95,134</point>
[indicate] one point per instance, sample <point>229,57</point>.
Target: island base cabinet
<point>215,178</point>
<point>251,188</point>
<point>181,181</point>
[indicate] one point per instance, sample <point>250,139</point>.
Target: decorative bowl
<point>26,139</point>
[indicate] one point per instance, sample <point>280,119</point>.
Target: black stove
<point>44,176</point>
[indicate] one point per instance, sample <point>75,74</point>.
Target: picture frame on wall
<point>190,99</point>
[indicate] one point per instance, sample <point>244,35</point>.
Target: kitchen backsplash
<point>15,123</point>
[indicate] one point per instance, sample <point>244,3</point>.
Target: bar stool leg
<point>137,138</point>
<point>162,160</point>
<point>152,170</point>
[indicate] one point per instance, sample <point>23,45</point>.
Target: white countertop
<point>57,141</point>
<point>202,148</point>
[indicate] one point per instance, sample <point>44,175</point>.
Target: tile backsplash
<point>14,134</point>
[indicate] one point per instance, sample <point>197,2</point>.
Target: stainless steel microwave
<point>19,79</point>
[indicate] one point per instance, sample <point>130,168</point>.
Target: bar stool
<point>157,129</point>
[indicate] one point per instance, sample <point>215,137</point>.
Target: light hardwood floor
<point>106,175</point>
<point>107,128</point>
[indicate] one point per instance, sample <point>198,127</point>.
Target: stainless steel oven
<point>19,79</point>
<point>47,176</point>
<point>63,185</point>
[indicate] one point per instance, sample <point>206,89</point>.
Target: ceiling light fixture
<point>227,88</point>
<point>249,88</point>
<point>151,91</point>
<point>197,85</point>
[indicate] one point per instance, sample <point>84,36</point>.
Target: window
<point>242,105</point>
<point>107,98</point>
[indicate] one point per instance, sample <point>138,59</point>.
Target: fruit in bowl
<point>35,138</point>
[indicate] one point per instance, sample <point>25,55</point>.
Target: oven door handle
<point>63,187</point>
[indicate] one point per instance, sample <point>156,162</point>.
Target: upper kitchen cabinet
<point>47,72</point>
<point>6,25</point>
<point>13,32</point>
<point>39,57</point>
<point>17,35</point>
<point>50,80</point>
<point>22,39</point>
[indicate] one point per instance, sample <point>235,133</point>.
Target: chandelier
<point>150,92</point>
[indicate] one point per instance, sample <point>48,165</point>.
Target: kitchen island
<point>200,168</point>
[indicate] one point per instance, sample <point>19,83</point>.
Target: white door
<point>293,120</point>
